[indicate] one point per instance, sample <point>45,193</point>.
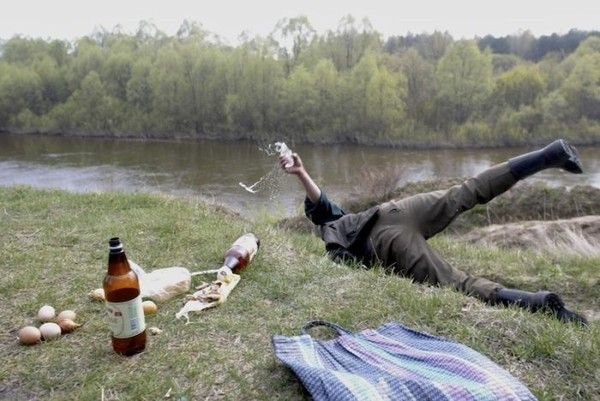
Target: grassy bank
<point>54,252</point>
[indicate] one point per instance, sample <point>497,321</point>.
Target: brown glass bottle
<point>123,303</point>
<point>241,252</point>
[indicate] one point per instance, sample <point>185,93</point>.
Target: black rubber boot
<point>541,300</point>
<point>558,154</point>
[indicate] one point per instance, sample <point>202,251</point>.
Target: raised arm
<point>316,205</point>
<point>313,192</point>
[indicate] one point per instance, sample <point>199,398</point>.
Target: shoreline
<point>228,138</point>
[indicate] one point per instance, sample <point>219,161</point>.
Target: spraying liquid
<point>251,187</point>
<point>279,149</point>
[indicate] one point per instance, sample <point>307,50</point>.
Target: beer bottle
<point>241,253</point>
<point>123,303</point>
<point>285,152</point>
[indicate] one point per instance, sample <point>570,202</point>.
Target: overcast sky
<point>64,19</point>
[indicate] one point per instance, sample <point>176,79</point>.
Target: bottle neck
<point>117,264</point>
<point>231,261</point>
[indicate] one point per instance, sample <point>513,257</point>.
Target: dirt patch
<point>577,235</point>
<point>14,390</point>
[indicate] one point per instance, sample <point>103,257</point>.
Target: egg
<point>154,331</point>
<point>66,314</point>
<point>149,307</point>
<point>29,335</point>
<point>97,294</point>
<point>50,331</point>
<point>67,325</point>
<point>46,313</point>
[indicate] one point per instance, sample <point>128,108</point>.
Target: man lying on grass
<point>394,234</point>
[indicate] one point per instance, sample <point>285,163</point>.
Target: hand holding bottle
<point>295,168</point>
<point>285,154</point>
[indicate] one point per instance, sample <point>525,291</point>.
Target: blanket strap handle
<point>314,323</point>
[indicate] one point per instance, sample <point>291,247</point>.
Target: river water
<point>213,169</point>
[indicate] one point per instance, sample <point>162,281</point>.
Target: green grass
<point>54,251</point>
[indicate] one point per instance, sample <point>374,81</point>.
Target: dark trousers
<point>399,237</point>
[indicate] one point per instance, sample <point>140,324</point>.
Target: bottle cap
<point>225,274</point>
<point>115,245</point>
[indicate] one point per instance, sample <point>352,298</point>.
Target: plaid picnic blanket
<point>394,362</point>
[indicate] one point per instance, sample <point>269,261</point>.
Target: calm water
<point>213,169</point>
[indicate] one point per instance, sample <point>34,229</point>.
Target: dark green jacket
<point>344,233</point>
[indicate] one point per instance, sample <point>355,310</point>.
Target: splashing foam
<point>271,181</point>
<point>251,187</point>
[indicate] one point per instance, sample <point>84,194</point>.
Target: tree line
<point>345,85</point>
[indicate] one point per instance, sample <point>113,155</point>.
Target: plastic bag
<point>162,284</point>
<point>213,294</point>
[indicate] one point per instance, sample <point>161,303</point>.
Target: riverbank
<point>433,143</point>
<point>54,252</point>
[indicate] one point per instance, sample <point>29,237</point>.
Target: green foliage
<point>420,84</point>
<point>54,85</point>
<point>343,85</point>
<point>25,51</point>
<point>300,102</point>
<point>582,87</point>
<point>172,97</point>
<point>475,132</point>
<point>520,86</point>
<point>138,89</point>
<point>300,32</point>
<point>526,46</point>
<point>255,82</point>
<point>464,79</point>
<point>589,46</point>
<point>329,105</point>
<point>349,43</point>
<point>117,73</point>
<point>20,88</point>
<point>384,98</point>
<point>504,62</point>
<point>88,57</point>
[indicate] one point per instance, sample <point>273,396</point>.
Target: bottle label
<point>247,242</point>
<point>126,319</point>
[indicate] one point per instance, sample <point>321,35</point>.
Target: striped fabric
<point>392,363</point>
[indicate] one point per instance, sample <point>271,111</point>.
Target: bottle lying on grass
<point>236,259</point>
